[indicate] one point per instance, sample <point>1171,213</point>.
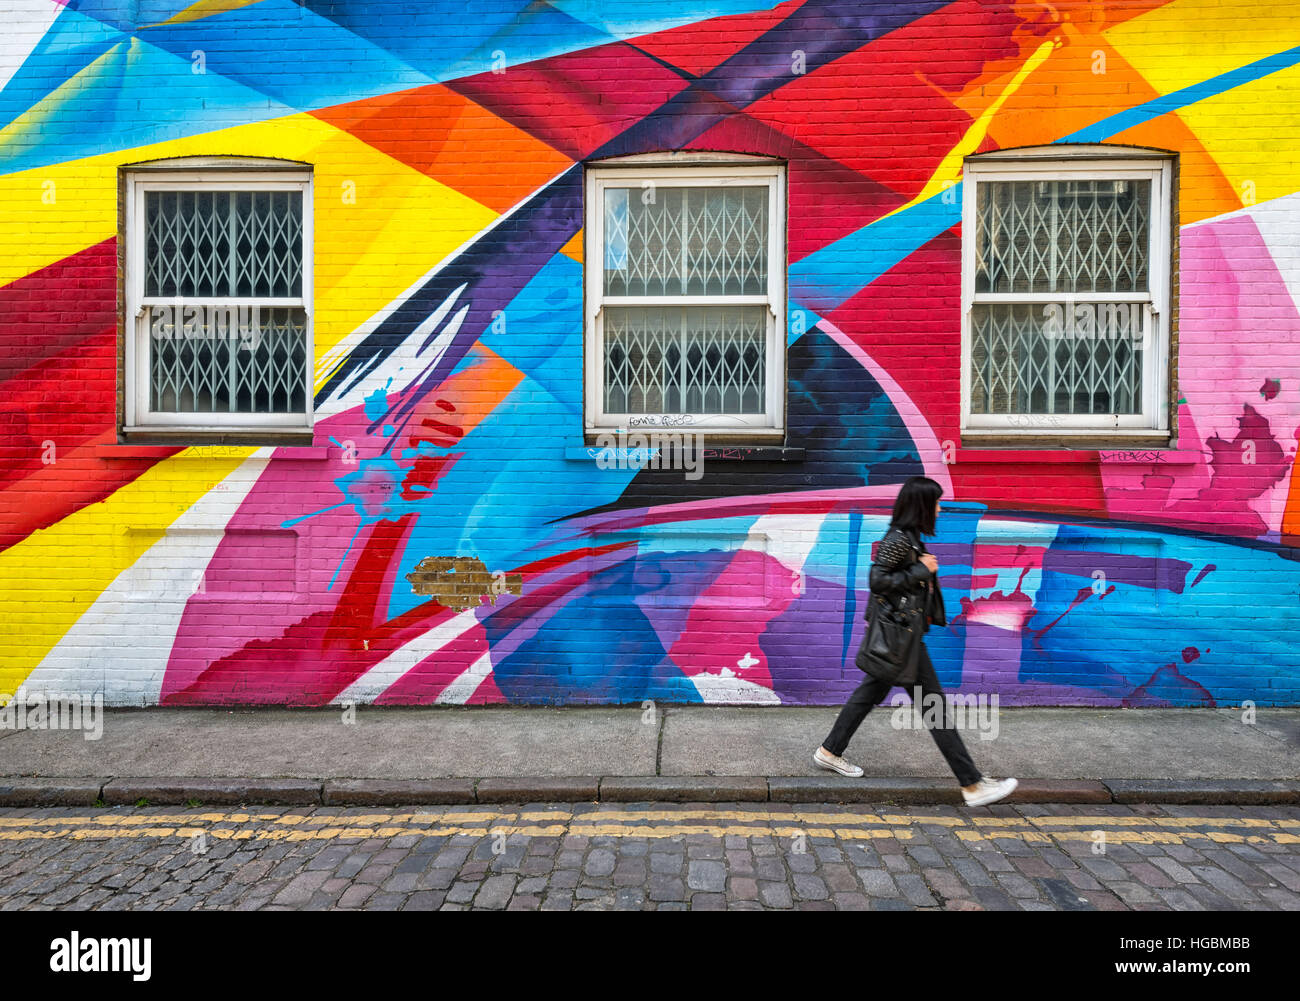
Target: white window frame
<point>722,171</point>
<point>1064,163</point>
<point>138,416</point>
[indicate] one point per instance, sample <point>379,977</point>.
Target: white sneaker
<point>989,791</point>
<point>824,759</point>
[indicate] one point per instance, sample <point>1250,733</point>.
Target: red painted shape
<point>828,199</point>
<point>578,101</point>
<point>487,694</point>
<point>1169,677</point>
<point>57,308</point>
<point>699,47</point>
<point>920,349</point>
<point>422,684</point>
<point>424,475</point>
<point>886,110</point>
<point>49,464</point>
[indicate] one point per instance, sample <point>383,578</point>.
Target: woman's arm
<point>896,569</point>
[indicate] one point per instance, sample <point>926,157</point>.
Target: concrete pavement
<point>373,755</point>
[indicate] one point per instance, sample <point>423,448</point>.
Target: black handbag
<point>892,645</point>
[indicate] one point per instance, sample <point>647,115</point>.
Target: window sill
<point>1110,440</point>
<point>158,441</point>
<point>1126,454</point>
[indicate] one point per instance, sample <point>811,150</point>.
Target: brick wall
<point>447,150</point>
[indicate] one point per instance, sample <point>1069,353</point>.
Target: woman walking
<point>905,572</point>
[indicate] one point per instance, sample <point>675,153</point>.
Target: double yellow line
<point>658,824</point>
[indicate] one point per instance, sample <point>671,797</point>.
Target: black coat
<point>898,570</point>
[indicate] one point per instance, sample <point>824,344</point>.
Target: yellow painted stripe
<point>1103,821</point>
<point>50,578</point>
<point>617,830</point>
<point>201,9</point>
<point>332,833</point>
<point>1249,131</point>
<point>380,225</point>
<point>949,170</point>
<point>488,816</point>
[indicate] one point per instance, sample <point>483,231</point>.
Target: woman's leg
<point>855,710</point>
<point>946,735</point>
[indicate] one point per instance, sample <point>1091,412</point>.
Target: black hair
<point>914,506</point>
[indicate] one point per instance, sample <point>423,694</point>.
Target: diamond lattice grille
<point>1062,236</point>
<point>245,244</point>
<point>686,241</point>
<point>685,359</point>
<point>228,361</point>
<point>1023,362</point>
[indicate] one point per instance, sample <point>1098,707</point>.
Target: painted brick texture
<point>447,147</point>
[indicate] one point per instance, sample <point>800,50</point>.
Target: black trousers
<point>871,692</point>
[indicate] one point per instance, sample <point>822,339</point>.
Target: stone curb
<point>40,791</point>
<point>17,790</point>
<point>864,790</point>
<point>1245,792</point>
<point>537,790</point>
<point>396,792</point>
<point>683,789</point>
<point>1061,791</point>
<point>214,791</point>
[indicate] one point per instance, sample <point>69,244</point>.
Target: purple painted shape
<point>1188,692</point>
<point>1141,571</point>
<point>802,646</point>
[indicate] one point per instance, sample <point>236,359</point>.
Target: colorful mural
<point>447,141</point>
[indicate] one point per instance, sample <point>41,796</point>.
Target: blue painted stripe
<point>1166,103</point>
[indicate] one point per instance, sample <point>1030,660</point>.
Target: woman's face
<point>937,509</point>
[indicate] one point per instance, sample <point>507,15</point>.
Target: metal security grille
<point>224,322</point>
<point>245,244</point>
<point>1018,369</point>
<point>685,359</point>
<point>1070,260</point>
<point>1062,236</point>
<point>227,361</point>
<point>694,241</point>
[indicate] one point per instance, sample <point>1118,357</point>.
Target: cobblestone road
<point>653,856</point>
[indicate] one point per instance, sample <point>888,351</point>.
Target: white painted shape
<point>145,603</point>
<point>721,689</point>
<point>460,690</point>
<point>1278,222</point>
<point>394,667</point>
<point>22,26</point>
<point>402,366</point>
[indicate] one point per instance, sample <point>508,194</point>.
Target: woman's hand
<point>931,563</point>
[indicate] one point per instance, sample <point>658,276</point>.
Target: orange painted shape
<point>1291,513</point>
<point>453,140</point>
<point>1064,94</point>
<point>463,400</point>
<point>574,247</point>
<point>1204,192</point>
